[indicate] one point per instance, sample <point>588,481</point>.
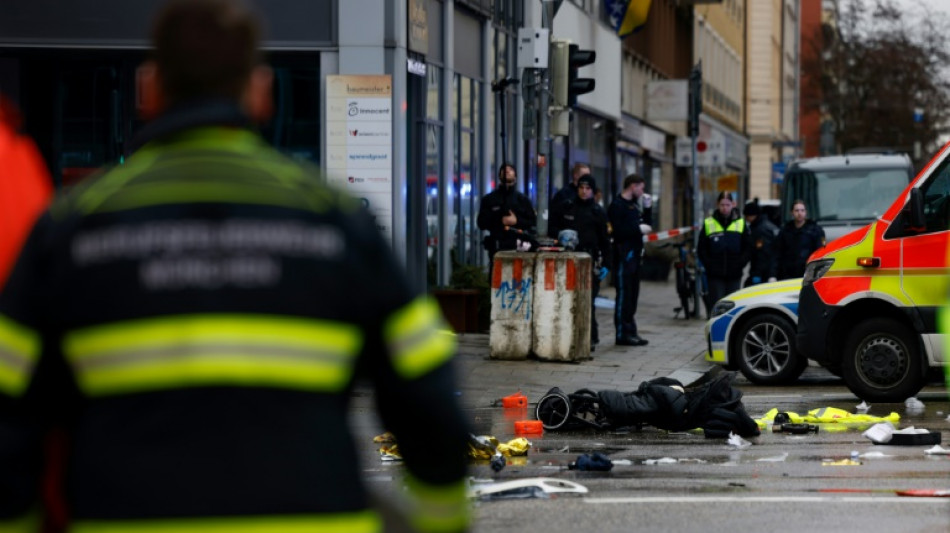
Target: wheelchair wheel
<point>553,410</point>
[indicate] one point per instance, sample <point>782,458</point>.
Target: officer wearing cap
<point>506,214</point>
<point>762,257</point>
<point>585,216</point>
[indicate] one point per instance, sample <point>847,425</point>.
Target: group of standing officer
<point>613,238</point>
<point>727,243</point>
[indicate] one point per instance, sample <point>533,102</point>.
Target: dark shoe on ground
<point>631,340</point>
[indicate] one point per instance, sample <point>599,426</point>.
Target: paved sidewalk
<point>676,349</point>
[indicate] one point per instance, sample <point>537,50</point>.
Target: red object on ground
<point>528,427</point>
<point>515,400</point>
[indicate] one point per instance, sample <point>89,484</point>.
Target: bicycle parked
<point>686,268</point>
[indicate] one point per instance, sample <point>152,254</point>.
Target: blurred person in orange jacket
<point>25,186</point>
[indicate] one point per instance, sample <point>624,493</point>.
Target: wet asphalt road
<point>779,483</point>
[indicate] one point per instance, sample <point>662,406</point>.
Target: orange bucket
<point>528,427</point>
<point>515,400</point>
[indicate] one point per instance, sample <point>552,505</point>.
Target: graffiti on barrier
<point>516,296</point>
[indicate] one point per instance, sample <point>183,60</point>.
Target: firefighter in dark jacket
<point>506,214</point>
<point>192,323</point>
<point>629,215</point>
<point>796,241</point>
<point>724,247</point>
<point>589,220</point>
<point>764,233</point>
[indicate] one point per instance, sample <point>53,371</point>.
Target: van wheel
<point>882,362</point>
<point>766,348</point>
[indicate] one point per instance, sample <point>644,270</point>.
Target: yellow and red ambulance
<point>870,299</point>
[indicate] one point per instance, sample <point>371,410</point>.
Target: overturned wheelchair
<point>712,404</point>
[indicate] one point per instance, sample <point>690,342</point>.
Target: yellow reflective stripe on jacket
<point>438,508</point>
<point>209,350</point>
<point>19,351</point>
<point>418,338</point>
<point>360,522</point>
<point>713,226</point>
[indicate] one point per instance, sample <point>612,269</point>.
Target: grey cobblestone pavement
<point>676,347</point>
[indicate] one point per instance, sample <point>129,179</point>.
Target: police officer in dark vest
<point>797,240</point>
<point>764,233</point>
<point>629,215</point>
<point>585,216</point>
<point>506,214</point>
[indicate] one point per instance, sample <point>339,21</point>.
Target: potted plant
<point>466,302</point>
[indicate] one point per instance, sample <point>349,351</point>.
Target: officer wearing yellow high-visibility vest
<point>194,321</point>
<point>725,244</point>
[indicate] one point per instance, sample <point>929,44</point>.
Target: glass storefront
<point>94,116</point>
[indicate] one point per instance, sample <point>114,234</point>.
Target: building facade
<point>772,60</point>
<point>412,105</point>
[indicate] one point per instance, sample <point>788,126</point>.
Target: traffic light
<point>578,58</point>
<point>695,98</point>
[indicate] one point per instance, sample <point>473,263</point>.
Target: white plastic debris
<point>660,461</point>
<point>937,450</point>
<point>880,432</point>
<point>622,462</point>
<point>862,407</point>
<point>776,459</point>
<point>911,431</point>
<point>737,441</point>
<point>913,403</point>
<point>874,455</point>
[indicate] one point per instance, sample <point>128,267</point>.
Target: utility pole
<point>548,10</point>
<point>695,108</point>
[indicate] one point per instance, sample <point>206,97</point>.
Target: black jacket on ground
<point>495,206</point>
<point>589,220</point>
<point>724,250</point>
<point>793,247</point>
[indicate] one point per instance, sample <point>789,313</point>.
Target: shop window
<point>294,128</point>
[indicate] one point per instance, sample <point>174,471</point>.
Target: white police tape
<point>663,235</point>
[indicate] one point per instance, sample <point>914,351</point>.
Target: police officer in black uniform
<point>569,191</point>
<point>589,220</point>
<point>629,214</point>
<point>506,214</point>
<point>194,322</point>
<point>797,240</point>
<point>764,233</point>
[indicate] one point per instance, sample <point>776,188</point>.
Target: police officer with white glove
<point>630,215</point>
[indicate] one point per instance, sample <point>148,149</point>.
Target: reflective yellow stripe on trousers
<point>360,522</point>
<point>213,350</point>
<point>418,338</point>
<point>19,351</point>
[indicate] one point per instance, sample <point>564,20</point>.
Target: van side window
<point>936,194</point>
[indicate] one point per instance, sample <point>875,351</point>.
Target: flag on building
<point>627,16</point>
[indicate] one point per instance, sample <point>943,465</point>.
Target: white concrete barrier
<point>562,306</point>
<point>512,309</point>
